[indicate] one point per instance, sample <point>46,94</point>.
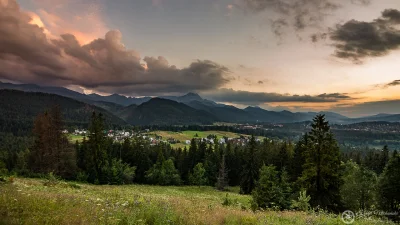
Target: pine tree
<point>222,179</point>
<point>297,162</point>
<point>97,159</point>
<point>250,168</point>
<point>51,151</point>
<point>320,174</point>
<point>384,159</point>
<point>272,189</point>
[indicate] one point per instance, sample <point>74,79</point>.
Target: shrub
<point>82,177</point>
<point>302,202</point>
<point>51,180</point>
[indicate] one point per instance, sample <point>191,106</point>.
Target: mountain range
<point>187,109</point>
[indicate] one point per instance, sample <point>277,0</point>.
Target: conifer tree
<point>250,171</point>
<point>272,189</point>
<point>222,179</point>
<point>97,159</point>
<point>320,176</point>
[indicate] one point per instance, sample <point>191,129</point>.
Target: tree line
<point>278,174</point>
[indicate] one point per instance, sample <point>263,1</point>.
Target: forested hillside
<point>165,112</point>
<point>18,109</point>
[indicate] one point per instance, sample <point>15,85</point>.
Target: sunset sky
<point>300,55</point>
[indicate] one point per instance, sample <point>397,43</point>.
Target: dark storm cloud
<point>356,40</point>
<point>245,97</point>
<point>298,14</point>
<point>28,56</point>
<point>393,83</point>
<point>334,96</point>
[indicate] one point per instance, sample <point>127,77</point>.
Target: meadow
<point>188,135</point>
<point>43,201</point>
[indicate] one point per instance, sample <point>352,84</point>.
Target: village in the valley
<point>180,139</point>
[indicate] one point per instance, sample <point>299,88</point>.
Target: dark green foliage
<point>211,164</point>
<point>198,176</point>
<point>119,172</point>
<point>18,110</point>
<point>320,176</point>
<point>163,172</point>
<point>302,203</point>
<point>222,179</point>
<point>14,153</point>
<point>389,185</point>
<point>165,112</point>
<point>359,188</point>
<point>250,168</point>
<point>272,189</point>
<point>51,151</point>
<point>297,162</point>
<point>96,159</point>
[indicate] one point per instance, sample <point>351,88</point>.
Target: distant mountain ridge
<point>18,110</point>
<point>190,108</point>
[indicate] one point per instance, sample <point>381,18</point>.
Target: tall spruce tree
<point>222,179</point>
<point>51,151</point>
<point>250,171</point>
<point>97,159</point>
<point>296,164</point>
<point>321,175</point>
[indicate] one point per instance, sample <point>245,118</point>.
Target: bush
<point>302,202</point>
<point>163,173</point>
<point>82,177</point>
<point>198,175</point>
<point>228,201</point>
<point>51,180</point>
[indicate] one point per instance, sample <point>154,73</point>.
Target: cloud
<point>28,55</point>
<point>256,98</point>
<point>296,14</point>
<point>356,40</point>
<point>78,17</point>
<point>393,83</point>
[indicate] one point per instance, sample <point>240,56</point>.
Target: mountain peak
<point>191,97</point>
<point>192,94</point>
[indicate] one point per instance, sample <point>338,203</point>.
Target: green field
<point>188,135</point>
<point>35,201</point>
<point>73,138</point>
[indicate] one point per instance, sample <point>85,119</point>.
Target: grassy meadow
<point>39,201</point>
<point>188,135</point>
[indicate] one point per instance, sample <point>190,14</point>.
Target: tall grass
<point>32,201</point>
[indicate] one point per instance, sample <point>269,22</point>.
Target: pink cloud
<point>77,17</point>
<point>29,55</point>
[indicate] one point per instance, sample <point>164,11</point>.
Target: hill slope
<point>18,110</point>
<point>28,201</point>
<point>164,112</point>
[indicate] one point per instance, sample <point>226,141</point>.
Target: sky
<point>298,55</point>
